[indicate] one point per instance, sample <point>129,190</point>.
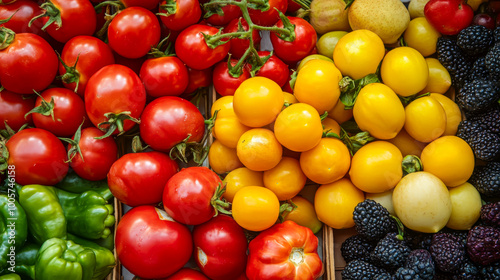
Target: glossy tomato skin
<point>191,47</point>
<point>230,13</point>
<point>198,79</point>
<point>139,178</point>
<point>164,76</point>
<point>92,55</point>
<point>271,16</point>
<point>168,120</point>
<point>239,46</point>
<point>39,67</point>
<point>220,248</point>
<point>274,69</point>
<point>133,32</point>
<point>448,16</point>
<point>187,195</point>
<point>148,4</point>
<point>26,10</point>
<point>115,88</point>
<point>187,274</point>
<point>98,155</point>
<point>163,246</point>
<point>301,46</point>
<point>38,156</point>
<point>224,82</point>
<point>188,12</point>
<point>13,107</point>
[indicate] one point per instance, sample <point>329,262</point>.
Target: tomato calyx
<point>118,5</point>
<point>114,122</point>
<point>7,35</point>
<point>286,208</point>
<point>157,52</point>
<point>256,64</point>
<point>75,144</point>
<point>72,75</point>
<point>304,4</point>
<point>349,88</point>
<point>137,146</point>
<point>410,164</point>
<point>45,108</point>
<point>408,99</point>
<point>50,11</point>
<point>170,7</point>
<point>219,204</point>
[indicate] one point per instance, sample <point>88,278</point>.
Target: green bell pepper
<point>63,259</point>
<point>11,276</point>
<point>108,242</point>
<point>76,184</point>
<point>105,260</point>
<point>13,229</point>
<point>88,214</point>
<point>25,261</point>
<point>45,215</point>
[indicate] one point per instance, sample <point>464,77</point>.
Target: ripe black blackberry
<point>490,272</point>
<point>453,59</point>
<point>496,34</point>
<point>486,179</point>
<point>357,247</point>
<point>360,270</point>
<point>475,40</point>
<point>479,70</point>
<point>478,95</point>
<point>486,145</point>
<point>418,265</point>
<point>418,240</point>
<point>390,252</point>
<point>483,244</point>
<point>489,120</point>
<point>492,61</point>
<point>468,128</point>
<point>372,220</point>
<point>383,276</point>
<point>490,214</point>
<point>468,271</point>
<point>448,251</point>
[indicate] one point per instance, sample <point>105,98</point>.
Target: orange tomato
<point>222,159</point>
<point>339,113</point>
<point>304,214</point>
<point>225,107</point>
<point>228,130</point>
<point>425,119</point>
<point>286,179</point>
<point>259,150</point>
<point>407,144</point>
<point>331,126</point>
<point>239,178</point>
<point>452,112</point>
<point>255,208</point>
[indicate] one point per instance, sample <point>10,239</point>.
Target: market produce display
<point>234,131</point>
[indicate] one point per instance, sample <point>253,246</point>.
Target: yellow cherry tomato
<point>228,130</point>
<point>257,101</point>
<point>379,111</point>
<point>358,53</point>
<point>439,78</point>
<point>407,144</point>
<point>376,167</point>
<point>304,214</point>
<point>331,126</point>
<point>339,113</point>
<point>425,119</point>
<point>255,208</point>
<point>405,71</point>
<point>259,150</point>
<point>326,162</point>
<point>225,107</point>
<point>421,36</point>
<point>289,98</point>
<point>452,111</point>
<point>286,179</point>
<point>222,159</point>
<point>327,42</point>
<point>298,127</point>
<point>239,178</point>
<point>317,84</point>
<point>450,159</point>
<point>311,57</point>
<point>334,203</point>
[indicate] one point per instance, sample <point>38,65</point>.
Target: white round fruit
<point>466,207</point>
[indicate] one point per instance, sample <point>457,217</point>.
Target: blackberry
<point>483,244</point>
<point>490,214</point>
<point>486,179</point>
<point>468,271</point>
<point>477,95</point>
<point>475,39</point>
<point>448,251</point>
<point>418,240</point>
<point>496,34</point>
<point>489,120</point>
<point>418,265</point>
<point>490,272</point>
<point>453,59</point>
<point>383,276</point>
<point>372,220</point>
<point>467,129</point>
<point>479,70</point>
<point>390,252</point>
<point>360,270</point>
<point>492,61</point>
<point>486,145</point>
<point>356,247</point>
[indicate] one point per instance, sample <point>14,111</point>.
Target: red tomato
<point>150,244</point>
<point>287,87</point>
<point>271,16</point>
<point>13,107</point>
<point>133,63</point>
<point>148,4</point>
<point>224,83</point>
<point>198,79</point>
<point>24,11</point>
<point>230,12</point>
<point>38,156</point>
<point>168,121</point>
<point>187,274</point>
<point>164,76</point>
<point>139,178</point>
<point>37,70</point>
<point>187,196</point>
<point>301,46</point>
<point>98,155</point>
<point>92,55</point>
<point>220,248</point>
<point>284,251</point>
<point>187,12</point>
<point>292,7</point>
<point>448,16</point>
<point>133,32</point>
<point>114,89</point>
<point>239,46</point>
<point>274,69</point>
<point>191,47</point>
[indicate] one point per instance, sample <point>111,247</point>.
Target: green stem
<point>410,164</point>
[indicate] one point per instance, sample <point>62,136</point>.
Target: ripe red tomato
<point>187,12</point>
<point>191,47</point>
<point>148,4</point>
<point>230,12</point>
<point>448,16</point>
<point>98,155</point>
<point>38,156</point>
<point>24,11</point>
<point>274,69</point>
<point>271,16</point>
<point>198,79</point>
<point>164,76</point>
<point>139,178</point>
<point>224,83</point>
<point>301,46</point>
<point>133,32</point>
<point>220,248</point>
<point>13,107</point>
<point>37,70</point>
<point>239,46</point>
<point>187,274</point>
<point>188,195</point>
<point>92,55</point>
<point>150,244</point>
<point>292,7</point>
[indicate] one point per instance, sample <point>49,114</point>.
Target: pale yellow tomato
<point>286,179</point>
<point>225,107</point>
<point>304,214</point>
<point>222,159</point>
<point>466,207</point>
<point>228,130</point>
<point>327,42</point>
<point>425,119</point>
<point>340,113</point>
<point>255,208</point>
<point>452,111</point>
<point>259,150</point>
<point>439,78</point>
<point>311,57</point>
<point>407,144</point>
<point>239,178</point>
<point>421,36</point>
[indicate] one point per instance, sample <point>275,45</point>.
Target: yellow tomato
<point>298,127</point>
<point>452,111</point>
<point>421,36</point>
<point>339,113</point>
<point>334,203</point>
<point>222,159</point>
<point>376,167</point>
<point>439,78</point>
<point>331,126</point>
<point>311,57</point>
<point>259,150</point>
<point>407,144</point>
<point>257,101</point>
<point>405,71</point>
<point>225,107</point>
<point>304,214</point>
<point>327,42</point>
<point>379,111</point>
<point>425,119</point>
<point>286,179</point>
<point>358,53</point>
<point>317,84</point>
<point>239,178</point>
<point>255,208</point>
<point>326,162</point>
<point>450,159</point>
<point>289,98</point>
<point>228,130</point>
